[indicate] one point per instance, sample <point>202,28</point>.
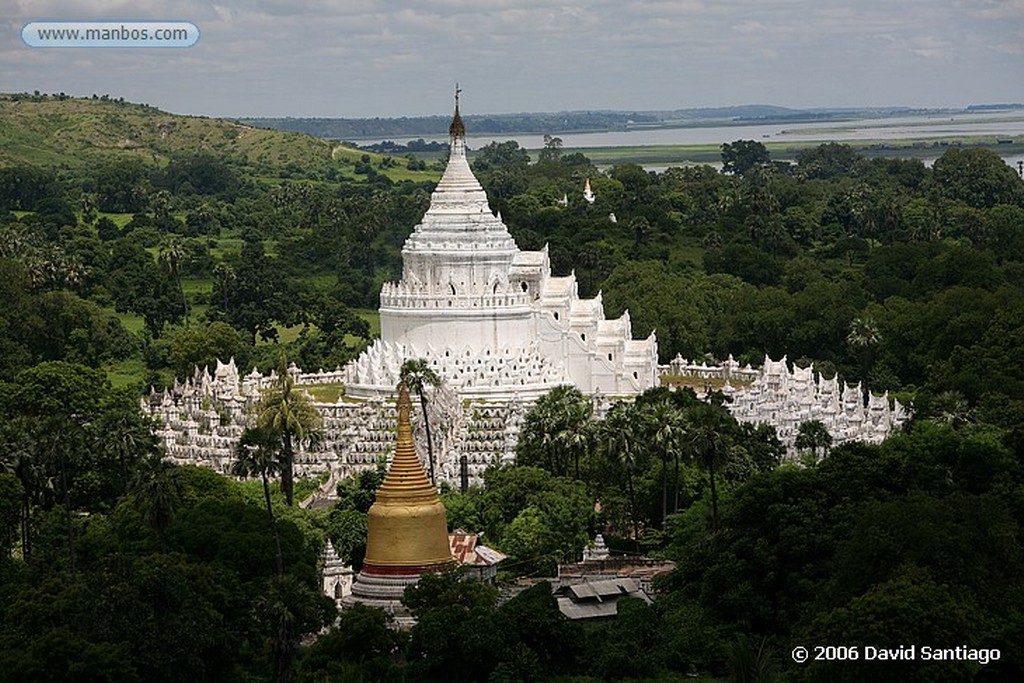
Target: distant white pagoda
<point>588,194</point>
<point>491,320</point>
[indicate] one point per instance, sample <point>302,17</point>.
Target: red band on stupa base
<point>405,570</point>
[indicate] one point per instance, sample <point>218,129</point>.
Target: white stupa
<point>490,319</point>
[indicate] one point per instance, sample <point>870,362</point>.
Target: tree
<point>257,454</point>
<point>289,610</point>
<point>708,430</point>
<point>501,155</point>
<point>617,438</point>
<point>17,456</point>
<point>978,177</point>
<point>828,161</point>
<point>813,436</point>
<point>739,157</point>
<point>59,401</point>
<point>201,346</point>
<point>156,490</point>
<point>863,338</point>
<point>172,254</point>
<point>669,427</point>
<point>417,375</point>
<point>556,431</point>
<point>290,416</point>
<point>224,278</point>
<point>552,151</point>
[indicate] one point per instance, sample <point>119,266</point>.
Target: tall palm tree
<point>17,446</point>
<point>668,430</point>
<point>617,438</point>
<point>863,339</point>
<point>288,609</point>
<point>59,435</point>
<point>156,490</point>
<point>257,453</point>
<point>576,434</point>
<point>417,375</point>
<point>557,431</point>
<point>172,255</point>
<point>708,439</point>
<point>223,277</point>
<point>292,417</point>
<point>129,436</point>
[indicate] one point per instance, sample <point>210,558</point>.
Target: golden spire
<point>406,526</point>
<point>406,479</point>
<point>457,130</point>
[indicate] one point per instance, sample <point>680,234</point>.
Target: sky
<point>364,58</point>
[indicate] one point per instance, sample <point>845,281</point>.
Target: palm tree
<point>417,375</point>
<point>863,338</point>
<point>129,436</point>
<point>618,440</point>
<point>669,429</point>
<point>813,435</point>
<point>288,610</point>
<point>58,436</point>
<point>708,439</point>
<point>156,490</point>
<point>292,417</point>
<point>952,408</point>
<point>257,454</point>
<point>172,254</point>
<point>576,433</point>
<point>223,277</point>
<point>557,431</point>
<point>16,456</point>
<point>160,202</point>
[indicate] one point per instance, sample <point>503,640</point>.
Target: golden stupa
<point>407,533</point>
<point>406,528</point>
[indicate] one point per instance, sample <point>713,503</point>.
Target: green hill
<point>74,132</point>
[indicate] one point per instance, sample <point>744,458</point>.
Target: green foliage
<point>978,177</point>
<point>360,646</point>
<point>908,542</point>
<point>827,161</point>
<point>536,518</point>
<point>201,346</point>
<point>556,432</point>
<point>118,566</point>
<point>742,156</point>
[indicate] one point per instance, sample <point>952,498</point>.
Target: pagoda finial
<point>457,130</point>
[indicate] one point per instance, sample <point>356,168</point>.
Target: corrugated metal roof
<point>586,610</point>
<point>465,549</point>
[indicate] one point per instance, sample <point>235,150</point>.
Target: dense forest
<point>123,273</point>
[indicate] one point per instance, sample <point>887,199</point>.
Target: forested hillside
<point>123,267</point>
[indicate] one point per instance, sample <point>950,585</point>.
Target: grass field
<point>126,373</point>
<point>80,132</point>
<point>324,393</point>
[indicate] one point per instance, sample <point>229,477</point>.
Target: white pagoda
<point>490,319</point>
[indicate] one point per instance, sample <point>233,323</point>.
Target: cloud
<point>399,57</point>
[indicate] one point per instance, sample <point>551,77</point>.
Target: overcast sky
<point>354,58</point>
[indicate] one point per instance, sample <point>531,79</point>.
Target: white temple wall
<point>459,328</point>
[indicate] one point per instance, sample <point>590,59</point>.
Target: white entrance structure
<point>490,319</point>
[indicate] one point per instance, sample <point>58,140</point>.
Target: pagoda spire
<point>406,481</point>
<point>457,130</point>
